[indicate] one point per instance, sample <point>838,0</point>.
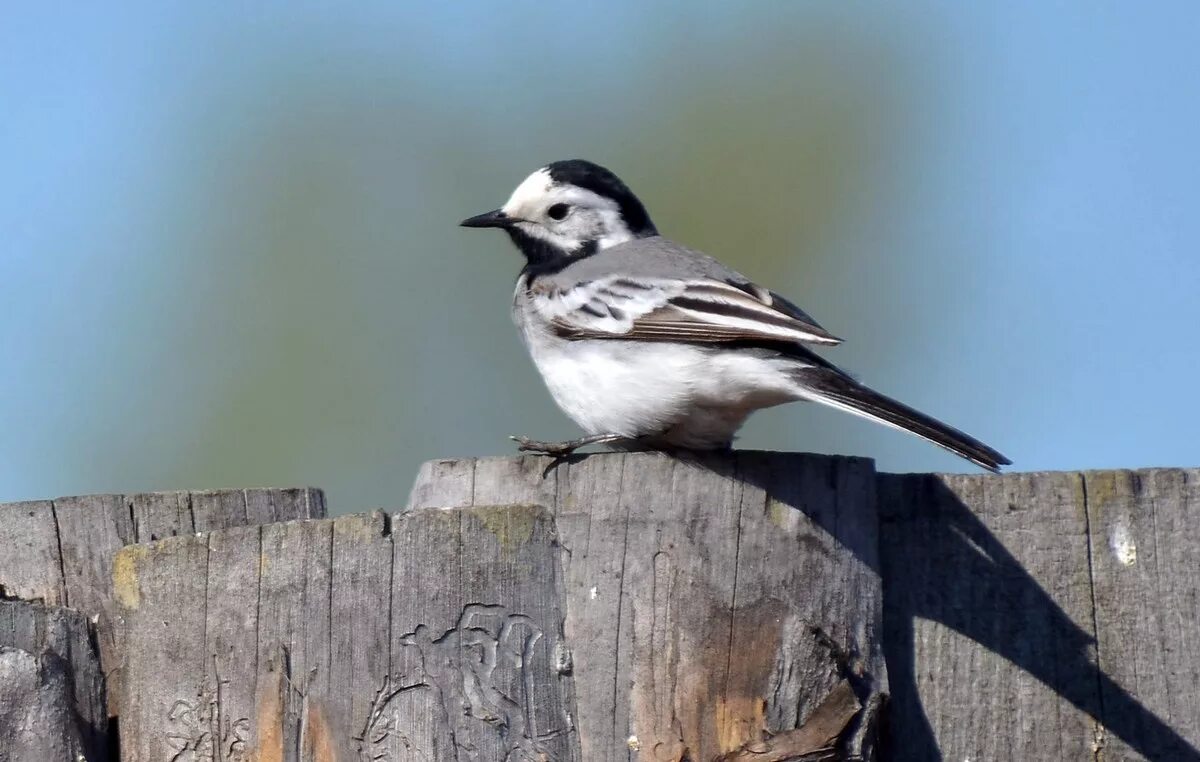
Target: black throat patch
<point>543,257</point>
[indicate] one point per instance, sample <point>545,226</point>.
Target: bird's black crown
<point>601,181</point>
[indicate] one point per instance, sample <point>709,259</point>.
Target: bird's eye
<point>558,211</point>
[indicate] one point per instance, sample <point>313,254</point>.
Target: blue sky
<point>230,256</point>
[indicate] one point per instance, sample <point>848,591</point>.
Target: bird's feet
<point>563,449</point>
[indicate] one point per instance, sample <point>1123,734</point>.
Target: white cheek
<point>605,226</point>
<point>559,241</point>
<point>615,230</point>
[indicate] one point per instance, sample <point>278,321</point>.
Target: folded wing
<point>687,310</point>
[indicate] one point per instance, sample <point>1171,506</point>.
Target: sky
<point>230,255</point>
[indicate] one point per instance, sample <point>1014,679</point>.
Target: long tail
<point>831,387</point>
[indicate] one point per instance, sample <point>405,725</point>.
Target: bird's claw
<point>525,444</point>
<point>563,449</point>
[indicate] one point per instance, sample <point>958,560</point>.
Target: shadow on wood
<point>994,591</point>
<point>51,687</point>
<point>656,608</point>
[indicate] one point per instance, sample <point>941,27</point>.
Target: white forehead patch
<point>529,194</point>
<point>599,218</point>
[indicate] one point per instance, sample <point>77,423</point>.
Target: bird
<point>646,343</point>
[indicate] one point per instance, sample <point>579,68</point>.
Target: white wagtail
<point>644,341</point>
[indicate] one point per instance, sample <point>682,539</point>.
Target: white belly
<point>673,394</point>
<point>621,388</point>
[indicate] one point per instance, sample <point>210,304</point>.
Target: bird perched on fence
<point>641,340</point>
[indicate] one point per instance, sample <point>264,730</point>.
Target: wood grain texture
<point>433,636</point>
<point>1144,532</point>
<point>1048,616</point>
<point>657,608</point>
<point>29,564</point>
<point>360,609</point>
<point>692,587</point>
<point>815,739</point>
<point>293,630</point>
<point>61,551</point>
<point>51,686</point>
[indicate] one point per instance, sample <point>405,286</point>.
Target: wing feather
<point>662,309</point>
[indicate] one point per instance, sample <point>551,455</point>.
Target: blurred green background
<point>229,253</point>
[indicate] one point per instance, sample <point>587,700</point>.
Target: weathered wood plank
<point>265,506</point>
<point>29,564</point>
<point>814,740</point>
<point>216,509</point>
<point>808,556</point>
<point>446,483</point>
<point>1144,528</point>
<point>510,631</point>
<point>293,634</point>
<point>689,606</point>
<point>591,512</point>
<point>61,551</point>
<point>995,588</point>
<point>157,515</point>
<point>360,638</point>
<point>438,639</point>
<point>427,603</point>
<point>231,624</point>
<point>168,702</point>
<point>679,570</point>
<point>988,621</point>
<point>51,687</point>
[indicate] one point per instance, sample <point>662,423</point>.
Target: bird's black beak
<point>493,219</point>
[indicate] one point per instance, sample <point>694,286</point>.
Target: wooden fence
<point>752,606</point>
